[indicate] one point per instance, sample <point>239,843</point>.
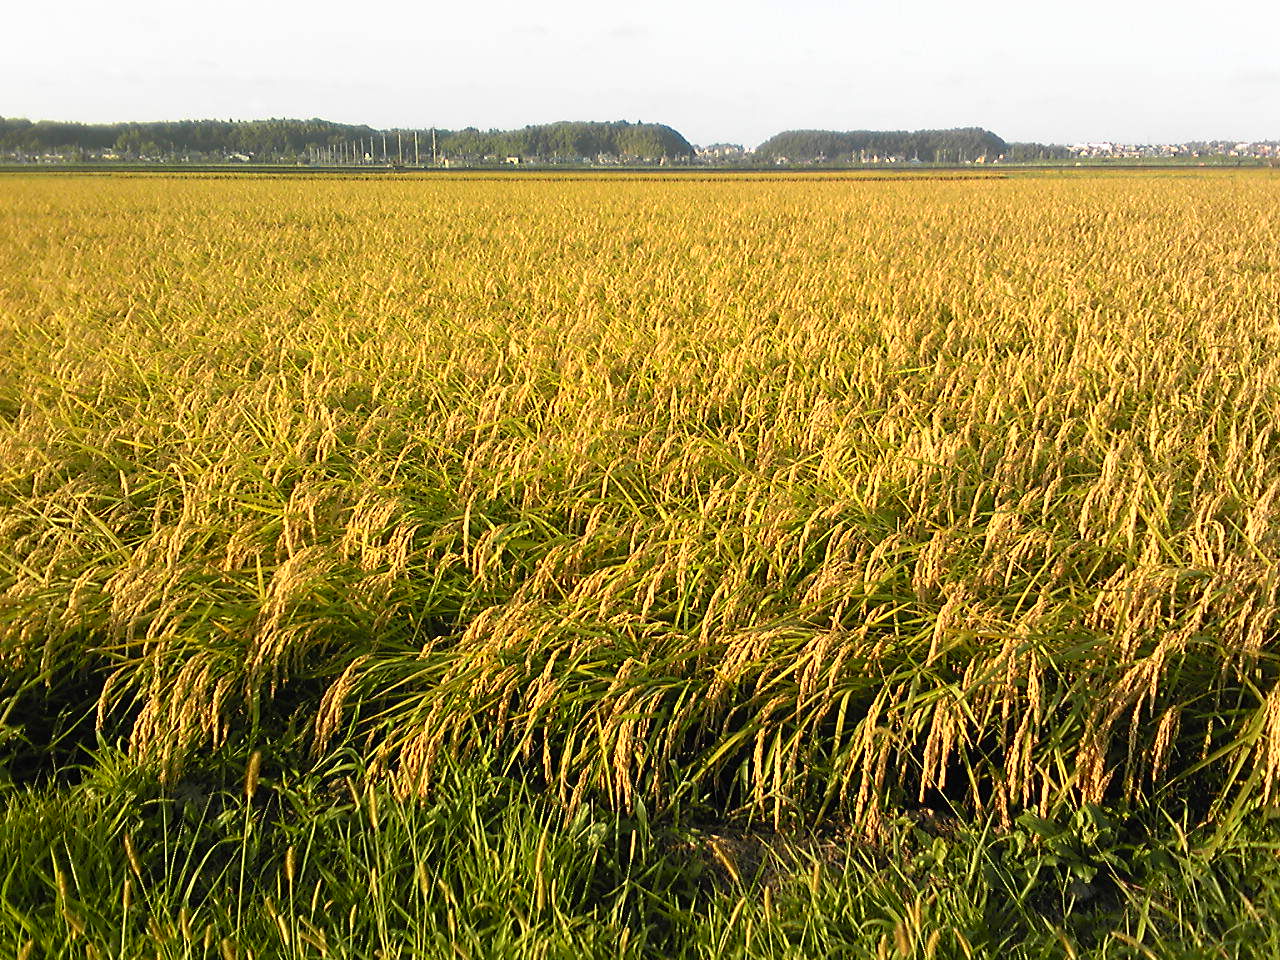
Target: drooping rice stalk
<point>790,497</point>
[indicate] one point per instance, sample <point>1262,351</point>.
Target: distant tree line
<point>281,140</point>
<point>287,139</point>
<point>929,146</point>
<point>265,138</point>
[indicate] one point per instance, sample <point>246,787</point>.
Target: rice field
<point>781,503</point>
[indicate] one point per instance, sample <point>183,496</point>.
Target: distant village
<point>1195,150</point>
<point>1217,150</point>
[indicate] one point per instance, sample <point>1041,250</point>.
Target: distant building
<point>720,151</point>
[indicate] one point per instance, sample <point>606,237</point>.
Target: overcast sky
<point>738,71</point>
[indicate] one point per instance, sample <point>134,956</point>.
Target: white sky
<point>1125,70</point>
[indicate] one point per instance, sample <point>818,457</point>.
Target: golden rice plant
<point>794,497</point>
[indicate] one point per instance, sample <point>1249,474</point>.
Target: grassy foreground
<point>318,866</point>
<point>588,558</point>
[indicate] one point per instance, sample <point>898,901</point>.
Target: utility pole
<point>434,159</point>
<point>400,147</point>
<point>416,159</point>
<point>384,147</point>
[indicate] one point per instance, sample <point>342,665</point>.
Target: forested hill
<point>568,139</point>
<point>285,139</point>
<point>958,145</point>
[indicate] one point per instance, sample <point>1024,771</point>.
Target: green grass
<point>330,864</point>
